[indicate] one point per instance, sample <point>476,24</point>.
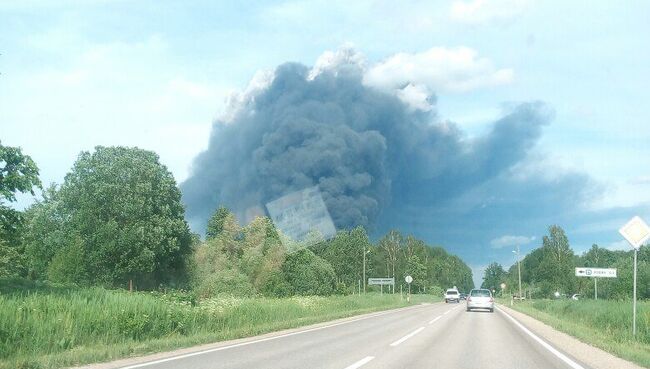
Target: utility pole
<point>519,270</point>
<point>364,269</point>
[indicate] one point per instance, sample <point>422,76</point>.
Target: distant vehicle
<point>452,294</point>
<point>480,299</point>
<point>575,296</point>
<point>463,296</point>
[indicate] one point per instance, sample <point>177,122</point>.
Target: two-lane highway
<point>425,336</point>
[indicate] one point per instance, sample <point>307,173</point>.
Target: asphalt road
<point>425,336</point>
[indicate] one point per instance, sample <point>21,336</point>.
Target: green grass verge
<point>604,324</point>
<point>43,326</point>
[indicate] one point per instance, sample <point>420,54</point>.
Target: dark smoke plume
<point>365,148</point>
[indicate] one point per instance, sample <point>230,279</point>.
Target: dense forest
<point>117,220</point>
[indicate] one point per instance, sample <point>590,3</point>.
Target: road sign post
<point>636,232</point>
<point>408,280</point>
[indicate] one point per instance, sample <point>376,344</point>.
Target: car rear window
<point>480,293</point>
<point>452,292</point>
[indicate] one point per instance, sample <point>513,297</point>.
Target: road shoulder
<point>589,355</point>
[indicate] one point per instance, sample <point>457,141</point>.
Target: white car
<point>452,295</point>
<point>480,299</point>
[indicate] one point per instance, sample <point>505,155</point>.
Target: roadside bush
<point>436,291</point>
<point>276,285</point>
<point>225,282</point>
<point>342,289</point>
<point>309,274</point>
<point>67,266</point>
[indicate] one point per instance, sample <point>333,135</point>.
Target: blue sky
<point>156,75</point>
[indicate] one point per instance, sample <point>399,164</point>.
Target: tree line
<point>118,218</point>
<point>551,268</point>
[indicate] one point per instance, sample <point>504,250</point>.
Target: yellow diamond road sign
<point>636,232</point>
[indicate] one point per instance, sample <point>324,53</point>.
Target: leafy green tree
<point>18,173</point>
<point>8,259</point>
<point>262,252</point>
<point>125,207</point>
<point>67,265</point>
<point>391,245</point>
<point>493,277</point>
<point>556,269</point>
<point>47,232</point>
<point>345,253</point>
<point>418,271</point>
<point>215,223</point>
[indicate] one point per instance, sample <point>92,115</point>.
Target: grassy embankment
<point>44,326</point>
<point>604,324</point>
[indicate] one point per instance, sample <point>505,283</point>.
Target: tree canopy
<point>119,213</point>
<point>18,173</point>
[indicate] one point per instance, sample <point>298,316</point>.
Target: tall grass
<point>604,323</point>
<point>56,326</point>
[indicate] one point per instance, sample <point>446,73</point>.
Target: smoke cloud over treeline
<point>370,151</point>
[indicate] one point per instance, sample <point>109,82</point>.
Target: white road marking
<point>550,348</point>
<point>258,341</point>
<point>360,363</point>
<point>407,337</point>
<point>434,320</point>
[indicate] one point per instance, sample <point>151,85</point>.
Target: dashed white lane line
<point>550,348</point>
<point>407,337</point>
<point>434,320</point>
<point>360,363</point>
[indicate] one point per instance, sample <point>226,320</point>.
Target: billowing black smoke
<point>366,150</point>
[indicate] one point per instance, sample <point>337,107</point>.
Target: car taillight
<point>469,299</point>
<point>491,299</point>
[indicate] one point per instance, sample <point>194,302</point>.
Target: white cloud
<point>641,180</point>
<point>438,69</point>
<point>619,246</point>
<point>237,101</point>
<point>509,241</point>
<point>486,11</point>
<point>346,55</point>
<point>417,97</point>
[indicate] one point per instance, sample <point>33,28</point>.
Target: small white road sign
<point>636,232</point>
<point>408,279</point>
<point>596,272</point>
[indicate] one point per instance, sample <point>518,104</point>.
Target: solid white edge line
<point>407,337</point>
<point>258,341</point>
<point>360,363</point>
<point>550,348</point>
<point>434,320</point>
